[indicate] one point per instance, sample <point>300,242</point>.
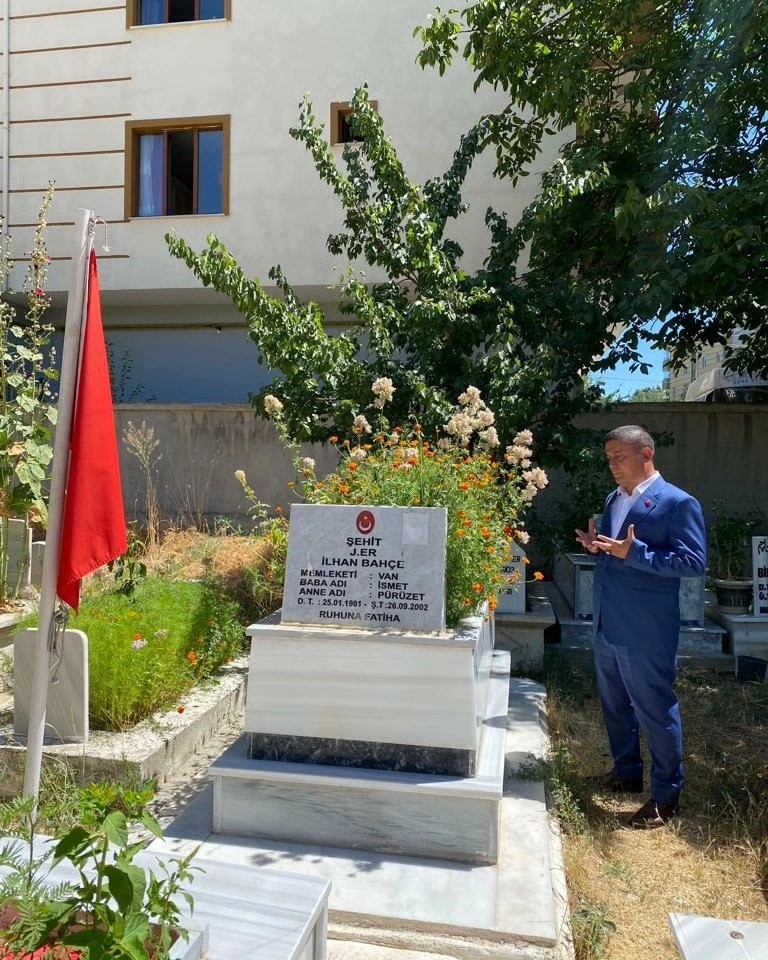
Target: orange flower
<point>180,709</point>
<point>461,533</point>
<point>278,509</point>
<point>478,587</point>
<point>192,657</point>
<point>463,486</point>
<point>508,531</point>
<point>343,488</point>
<point>491,549</point>
<point>492,602</point>
<point>538,575</point>
<point>352,466</point>
<point>333,439</point>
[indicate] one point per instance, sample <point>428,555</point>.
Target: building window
<point>147,12</point>
<point>341,131</point>
<point>177,168</point>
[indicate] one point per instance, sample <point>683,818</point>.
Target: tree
<point>653,218</point>
<point>649,395</point>
<point>429,327</point>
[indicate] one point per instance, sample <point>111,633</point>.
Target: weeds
<point>713,861</point>
<point>141,443</point>
<point>591,931</point>
<point>558,772</point>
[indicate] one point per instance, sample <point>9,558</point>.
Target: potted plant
<point>729,566</point>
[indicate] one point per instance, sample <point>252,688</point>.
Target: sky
<point>622,381</point>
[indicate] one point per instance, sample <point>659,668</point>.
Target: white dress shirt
<point>622,503</point>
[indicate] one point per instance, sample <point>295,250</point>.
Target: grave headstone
<point>366,566</point>
<point>512,594</point>
<point>66,715</point>
<point>760,575</point>
<point>19,550</point>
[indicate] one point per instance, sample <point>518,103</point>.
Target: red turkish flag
<point>93,527</point>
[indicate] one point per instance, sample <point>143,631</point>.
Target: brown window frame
<point>340,110</point>
<point>132,15</point>
<point>136,128</point>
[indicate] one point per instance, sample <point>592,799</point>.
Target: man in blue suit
<point>651,535</point>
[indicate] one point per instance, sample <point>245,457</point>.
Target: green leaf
<point>116,828</point>
<point>121,887</point>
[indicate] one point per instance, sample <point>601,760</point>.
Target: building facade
<point>164,115</point>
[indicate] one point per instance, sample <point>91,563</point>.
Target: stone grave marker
<point>512,594</point>
<point>366,566</point>
<point>760,575</point>
<point>66,715</point>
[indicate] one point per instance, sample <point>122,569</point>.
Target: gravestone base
<point>395,699</point>
<point>746,634</point>
<point>399,757</point>
<point>701,645</point>
<point>523,634</point>
<point>411,814</point>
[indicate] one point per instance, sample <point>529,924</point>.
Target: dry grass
<point>192,555</point>
<point>712,861</point>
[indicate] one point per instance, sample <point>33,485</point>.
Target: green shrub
<point>148,649</point>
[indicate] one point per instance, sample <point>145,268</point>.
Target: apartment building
<point>704,379</point>
<point>166,115</point>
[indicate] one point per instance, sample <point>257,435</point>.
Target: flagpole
<point>67,387</point>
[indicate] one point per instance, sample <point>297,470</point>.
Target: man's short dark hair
<point>632,434</point>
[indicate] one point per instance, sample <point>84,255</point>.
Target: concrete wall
<point>199,448</point>
<point>720,452</point>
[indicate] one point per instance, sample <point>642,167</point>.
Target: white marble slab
<point>454,818</point>
<point>379,686</point>
<point>493,910</point>
<point>369,565</point>
<point>66,716</point>
<point>708,938</point>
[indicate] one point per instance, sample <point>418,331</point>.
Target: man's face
<point>629,465</point>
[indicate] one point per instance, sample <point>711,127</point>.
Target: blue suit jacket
<point>637,600</point>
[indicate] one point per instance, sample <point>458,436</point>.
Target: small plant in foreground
<point>117,908</point>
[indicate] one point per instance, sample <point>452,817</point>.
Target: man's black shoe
<point>621,785</point>
<point>652,815</point>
